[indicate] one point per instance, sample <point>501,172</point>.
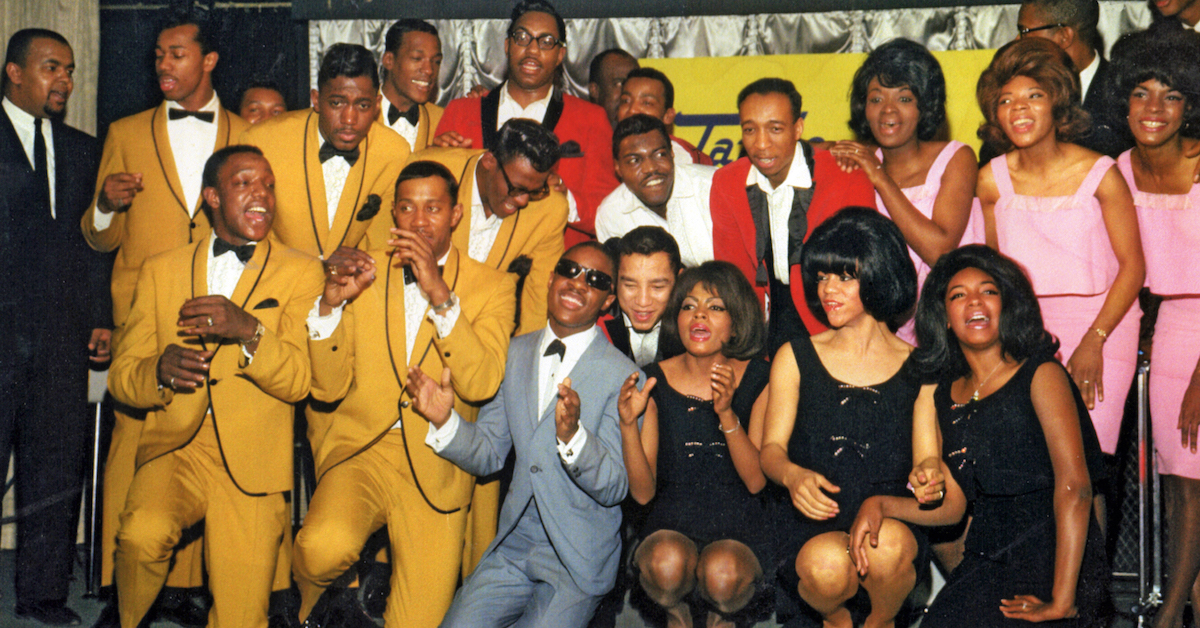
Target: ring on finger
<point>172,382</point>
<point>210,321</point>
<point>1086,382</point>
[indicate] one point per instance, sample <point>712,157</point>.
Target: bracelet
<point>258,334</point>
<point>442,307</point>
<point>1100,332</point>
<point>730,430</point>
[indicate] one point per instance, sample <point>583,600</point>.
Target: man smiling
<point>336,164</point>
<point>411,61</point>
<point>214,352</point>
<point>657,191</point>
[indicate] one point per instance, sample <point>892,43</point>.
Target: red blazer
<point>734,236</point>
<point>586,166</point>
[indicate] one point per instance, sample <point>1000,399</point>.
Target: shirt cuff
<point>439,437</point>
<point>101,220</point>
<point>247,357</point>
<point>444,322</point>
<point>572,207</point>
<point>569,452</point>
<point>322,327</point>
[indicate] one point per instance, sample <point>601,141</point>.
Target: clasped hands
<point>213,316</point>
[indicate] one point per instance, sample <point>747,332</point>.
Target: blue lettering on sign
<point>722,150</point>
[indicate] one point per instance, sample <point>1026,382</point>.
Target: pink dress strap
<point>934,177</point>
<point>1001,175</point>
<point>1094,176</point>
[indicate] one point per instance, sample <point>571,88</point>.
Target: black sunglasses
<point>534,195</point>
<point>595,278</point>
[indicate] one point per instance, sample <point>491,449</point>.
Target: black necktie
<point>328,151</point>
<point>556,347</point>
<point>178,114</point>
<point>413,115</point>
<point>243,252</point>
<point>40,171</point>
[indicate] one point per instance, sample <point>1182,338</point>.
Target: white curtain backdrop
<point>474,49</point>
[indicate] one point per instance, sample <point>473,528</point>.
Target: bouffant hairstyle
<point>1022,333</point>
<point>1166,53</point>
<point>728,282</point>
<point>1044,62</point>
<point>901,63</point>
<point>861,243</point>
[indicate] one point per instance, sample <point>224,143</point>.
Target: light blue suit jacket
<point>579,503</point>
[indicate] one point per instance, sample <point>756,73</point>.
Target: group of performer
<point>700,383</point>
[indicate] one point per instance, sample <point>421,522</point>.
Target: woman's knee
<point>728,574</point>
<point>825,569</point>
<point>895,553</point>
<point>666,562</point>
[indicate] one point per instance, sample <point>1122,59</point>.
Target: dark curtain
<point>253,43</point>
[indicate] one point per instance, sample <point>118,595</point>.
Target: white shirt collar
<point>509,108</point>
<point>1087,74</point>
<point>576,343</point>
<point>798,175</point>
<point>19,117</point>
<point>213,105</point>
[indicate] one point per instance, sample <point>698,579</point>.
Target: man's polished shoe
<point>339,608</point>
<point>375,589</point>
<point>184,607</point>
<point>109,616</point>
<point>49,613</point>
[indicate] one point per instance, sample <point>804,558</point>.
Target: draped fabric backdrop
<point>474,49</point>
<point>79,22</point>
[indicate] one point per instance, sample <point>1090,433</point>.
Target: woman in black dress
<point>695,457</point>
<point>839,421</point>
<point>1017,439</point>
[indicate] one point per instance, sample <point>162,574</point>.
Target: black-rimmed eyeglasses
<point>1021,32</point>
<point>523,38</point>
<point>515,191</point>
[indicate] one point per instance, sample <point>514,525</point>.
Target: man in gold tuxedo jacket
<point>509,211</point>
<point>217,440</point>
<point>412,59</point>
<point>372,465</point>
<point>147,202</point>
<point>336,165</point>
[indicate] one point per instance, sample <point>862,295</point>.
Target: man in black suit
<point>648,264</point>
<point>1072,25</point>
<point>54,317</point>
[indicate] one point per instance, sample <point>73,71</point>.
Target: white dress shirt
<point>484,228</point>
<point>688,220</point>
<point>192,141</point>
<point>1087,74</point>
<point>335,170</point>
<point>23,124</point>
<point>644,346</point>
<point>402,126</point>
<point>551,371</point>
<point>680,154</point>
<point>779,207</point>
<point>224,272</point>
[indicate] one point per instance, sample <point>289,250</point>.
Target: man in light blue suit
<point>557,547</point>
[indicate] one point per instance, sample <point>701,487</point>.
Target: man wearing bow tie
<point>557,547</point>
<point>148,201</point>
<point>336,164</point>
<point>411,62</point>
<point>420,305</point>
<point>214,352</point>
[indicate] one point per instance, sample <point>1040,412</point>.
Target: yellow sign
<point>706,92</point>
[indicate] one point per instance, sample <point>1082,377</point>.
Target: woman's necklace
<point>975,395</point>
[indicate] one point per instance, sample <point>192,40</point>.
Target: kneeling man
<point>214,350</point>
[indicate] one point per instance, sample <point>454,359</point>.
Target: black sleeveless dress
<point>700,493</point>
<point>997,452</point>
<point>858,437</point>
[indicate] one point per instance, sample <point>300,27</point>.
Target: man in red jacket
<point>536,49</point>
<point>765,204</point>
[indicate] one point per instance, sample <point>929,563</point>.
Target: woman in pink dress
<point>1157,82</point>
<point>1066,215</point>
<point>897,106</point>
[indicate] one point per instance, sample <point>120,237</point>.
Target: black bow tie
<point>203,116</point>
<point>412,115</point>
<point>556,347</point>
<point>328,152</point>
<point>243,252</point>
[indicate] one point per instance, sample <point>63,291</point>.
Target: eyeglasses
<point>596,279</point>
<point>523,38</point>
<point>534,195</point>
<point>1021,32</point>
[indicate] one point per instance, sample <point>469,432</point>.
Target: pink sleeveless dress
<point>1063,245</point>
<point>923,198</point>
<point>1170,226</point>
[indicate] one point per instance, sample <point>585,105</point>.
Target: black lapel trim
<point>489,113</point>
<point>554,110</point>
